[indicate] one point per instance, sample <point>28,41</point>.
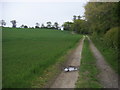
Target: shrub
<point>111,37</point>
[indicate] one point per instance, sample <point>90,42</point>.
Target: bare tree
<point>2,22</point>
<point>13,23</point>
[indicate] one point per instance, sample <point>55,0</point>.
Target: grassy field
<point>88,70</point>
<point>27,53</point>
<point>110,54</point>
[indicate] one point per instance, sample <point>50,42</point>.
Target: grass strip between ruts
<point>88,71</point>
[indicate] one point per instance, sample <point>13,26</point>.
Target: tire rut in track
<point>107,76</point>
<point>68,79</point>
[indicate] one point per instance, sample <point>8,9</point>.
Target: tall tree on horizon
<point>56,25</point>
<point>49,24</point>
<point>74,17</point>
<point>37,25</point>
<point>2,22</point>
<point>13,23</point>
<point>42,25</point>
<point>79,17</point>
<point>22,26</point>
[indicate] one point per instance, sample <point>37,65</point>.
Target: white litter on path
<point>69,75</point>
<point>70,68</point>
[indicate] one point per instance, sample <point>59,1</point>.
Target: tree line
<point>101,20</point>
<point>102,16</point>
<point>79,25</point>
<point>37,25</point>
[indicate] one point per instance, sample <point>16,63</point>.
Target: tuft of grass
<point>88,70</point>
<point>28,53</point>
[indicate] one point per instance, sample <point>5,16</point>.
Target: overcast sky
<point>28,13</point>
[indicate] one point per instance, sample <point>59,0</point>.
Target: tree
<point>78,26</point>
<point>67,26</point>
<point>56,25</point>
<point>42,26</point>
<point>49,24</point>
<point>74,17</point>
<point>111,37</point>
<point>79,17</point>
<point>22,26</point>
<point>13,23</point>
<point>2,22</point>
<point>102,16</point>
<point>37,25</point>
<point>25,26</point>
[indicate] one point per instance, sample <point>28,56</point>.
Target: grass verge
<point>88,70</point>
<point>50,74</point>
<point>110,54</point>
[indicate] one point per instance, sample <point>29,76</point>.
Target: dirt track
<point>108,78</point>
<point>68,79</point>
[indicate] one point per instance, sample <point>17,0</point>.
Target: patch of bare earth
<point>68,79</point>
<point>107,76</point>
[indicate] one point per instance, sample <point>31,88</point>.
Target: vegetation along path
<point>108,78</point>
<point>68,79</point>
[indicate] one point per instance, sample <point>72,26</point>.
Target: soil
<point>68,79</point>
<point>107,76</point>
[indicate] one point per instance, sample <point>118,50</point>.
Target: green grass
<point>88,70</point>
<point>110,54</point>
<point>28,53</point>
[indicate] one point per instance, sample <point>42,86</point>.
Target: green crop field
<point>28,52</point>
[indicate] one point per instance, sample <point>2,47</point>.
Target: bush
<point>111,37</point>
